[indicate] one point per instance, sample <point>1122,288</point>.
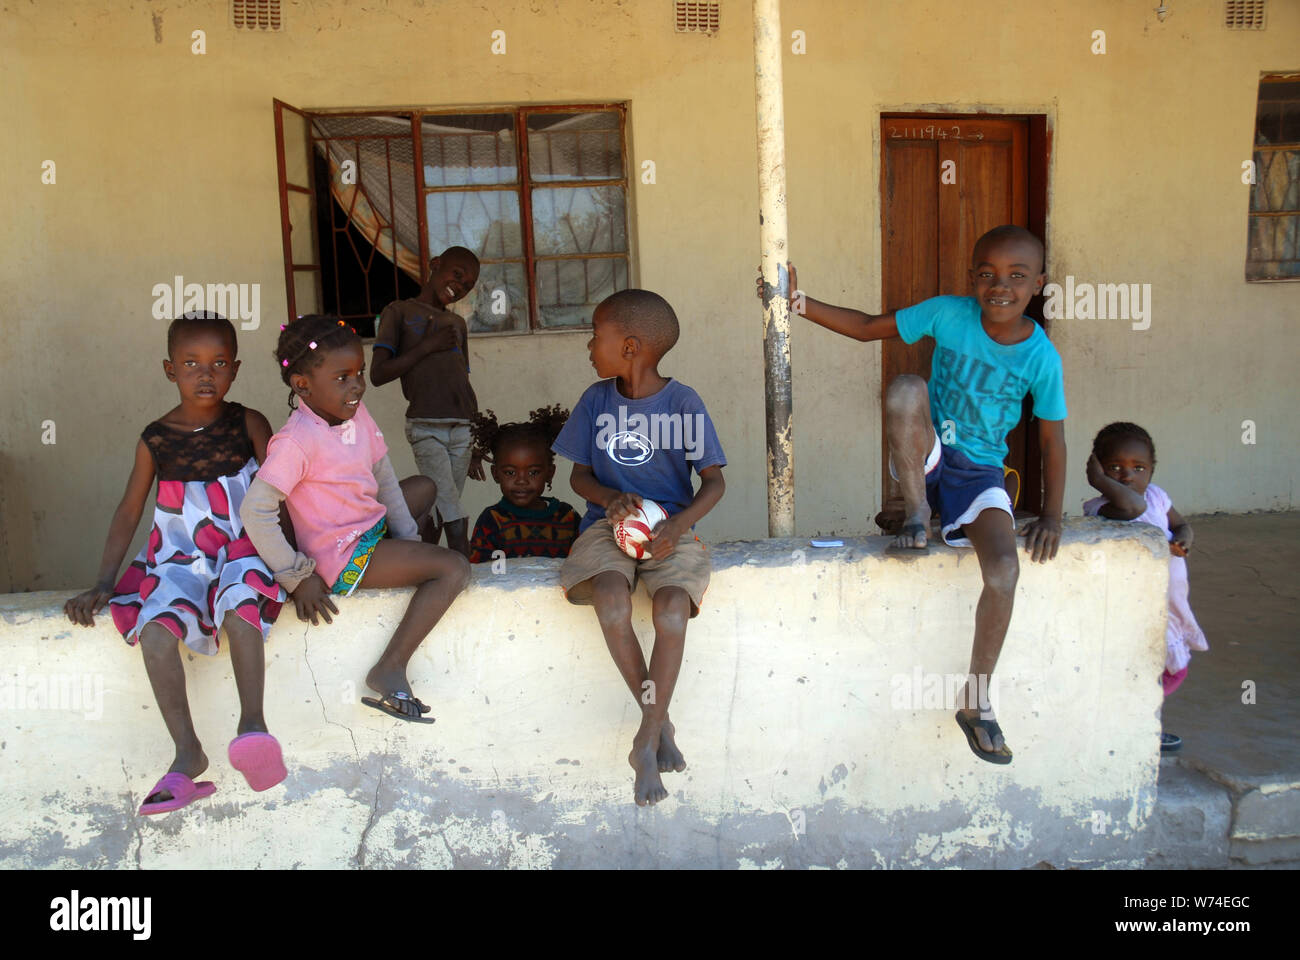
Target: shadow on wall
<point>17,528</point>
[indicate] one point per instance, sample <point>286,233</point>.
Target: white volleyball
<point>632,533</point>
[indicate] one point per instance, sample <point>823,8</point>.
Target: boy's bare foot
<point>190,764</point>
<point>648,788</point>
<point>915,534</point>
<point>669,757</point>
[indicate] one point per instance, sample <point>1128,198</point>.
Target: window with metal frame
<point>539,193</point>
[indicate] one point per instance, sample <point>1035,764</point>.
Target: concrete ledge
<point>806,709</point>
<point>1283,852</point>
<point>1268,814</point>
<point>1189,830</point>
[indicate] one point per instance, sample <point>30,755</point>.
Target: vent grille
<point>690,16</point>
<point>1243,14</point>
<point>263,15</point>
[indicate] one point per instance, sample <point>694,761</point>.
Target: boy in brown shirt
<point>427,346</point>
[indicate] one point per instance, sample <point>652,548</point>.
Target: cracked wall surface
<point>792,708</point>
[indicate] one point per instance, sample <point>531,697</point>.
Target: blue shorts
<point>961,489</point>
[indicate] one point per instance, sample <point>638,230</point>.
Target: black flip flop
<point>391,704</point>
<point>991,728</point>
<point>1170,743</point>
<point>894,550</point>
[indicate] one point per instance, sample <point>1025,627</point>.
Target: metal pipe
<point>768,94</point>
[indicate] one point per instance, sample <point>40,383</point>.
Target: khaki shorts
<point>442,451</point>
<point>596,552</point>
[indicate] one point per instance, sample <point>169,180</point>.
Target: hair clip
<point>282,326</point>
<point>312,345</point>
<point>284,363</point>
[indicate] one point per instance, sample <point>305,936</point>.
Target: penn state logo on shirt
<point>629,448</point>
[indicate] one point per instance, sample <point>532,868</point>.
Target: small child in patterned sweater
<point>523,523</point>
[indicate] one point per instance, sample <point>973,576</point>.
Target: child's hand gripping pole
<point>842,320</point>
<point>787,283</point>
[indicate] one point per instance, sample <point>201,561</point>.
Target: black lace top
<point>220,449</point>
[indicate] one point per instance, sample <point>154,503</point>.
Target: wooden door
<point>946,180</point>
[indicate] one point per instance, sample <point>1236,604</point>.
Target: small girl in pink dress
<point>1120,468</point>
<point>353,518</point>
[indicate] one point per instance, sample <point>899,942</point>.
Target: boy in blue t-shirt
<point>637,434</point>
<point>987,356</point>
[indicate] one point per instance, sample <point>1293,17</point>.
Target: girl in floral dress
<point>198,572</point>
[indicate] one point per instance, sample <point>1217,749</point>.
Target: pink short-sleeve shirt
<point>1157,512</point>
<point>327,474</point>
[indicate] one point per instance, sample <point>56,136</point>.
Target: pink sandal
<point>257,756</point>
<point>184,791</point>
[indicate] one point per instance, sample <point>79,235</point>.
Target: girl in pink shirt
<point>351,517</point>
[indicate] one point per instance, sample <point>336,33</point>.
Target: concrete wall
<point>166,165</point>
<point>795,709</point>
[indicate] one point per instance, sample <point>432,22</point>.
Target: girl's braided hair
<point>543,426</point>
<point>1113,433</point>
<point>304,342</point>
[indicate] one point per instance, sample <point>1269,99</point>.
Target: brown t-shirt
<point>437,387</point>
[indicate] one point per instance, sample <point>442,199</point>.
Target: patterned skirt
<point>197,566</point>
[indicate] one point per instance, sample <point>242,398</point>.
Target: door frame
<point>1041,124</point>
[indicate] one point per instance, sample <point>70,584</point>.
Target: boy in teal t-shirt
<point>947,439</point>
<point>976,383</point>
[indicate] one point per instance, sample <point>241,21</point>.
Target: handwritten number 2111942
<point>931,132</point>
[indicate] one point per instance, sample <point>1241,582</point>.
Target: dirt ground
<point>1244,573</point>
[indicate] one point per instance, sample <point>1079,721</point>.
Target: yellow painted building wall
<point>166,165</point>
